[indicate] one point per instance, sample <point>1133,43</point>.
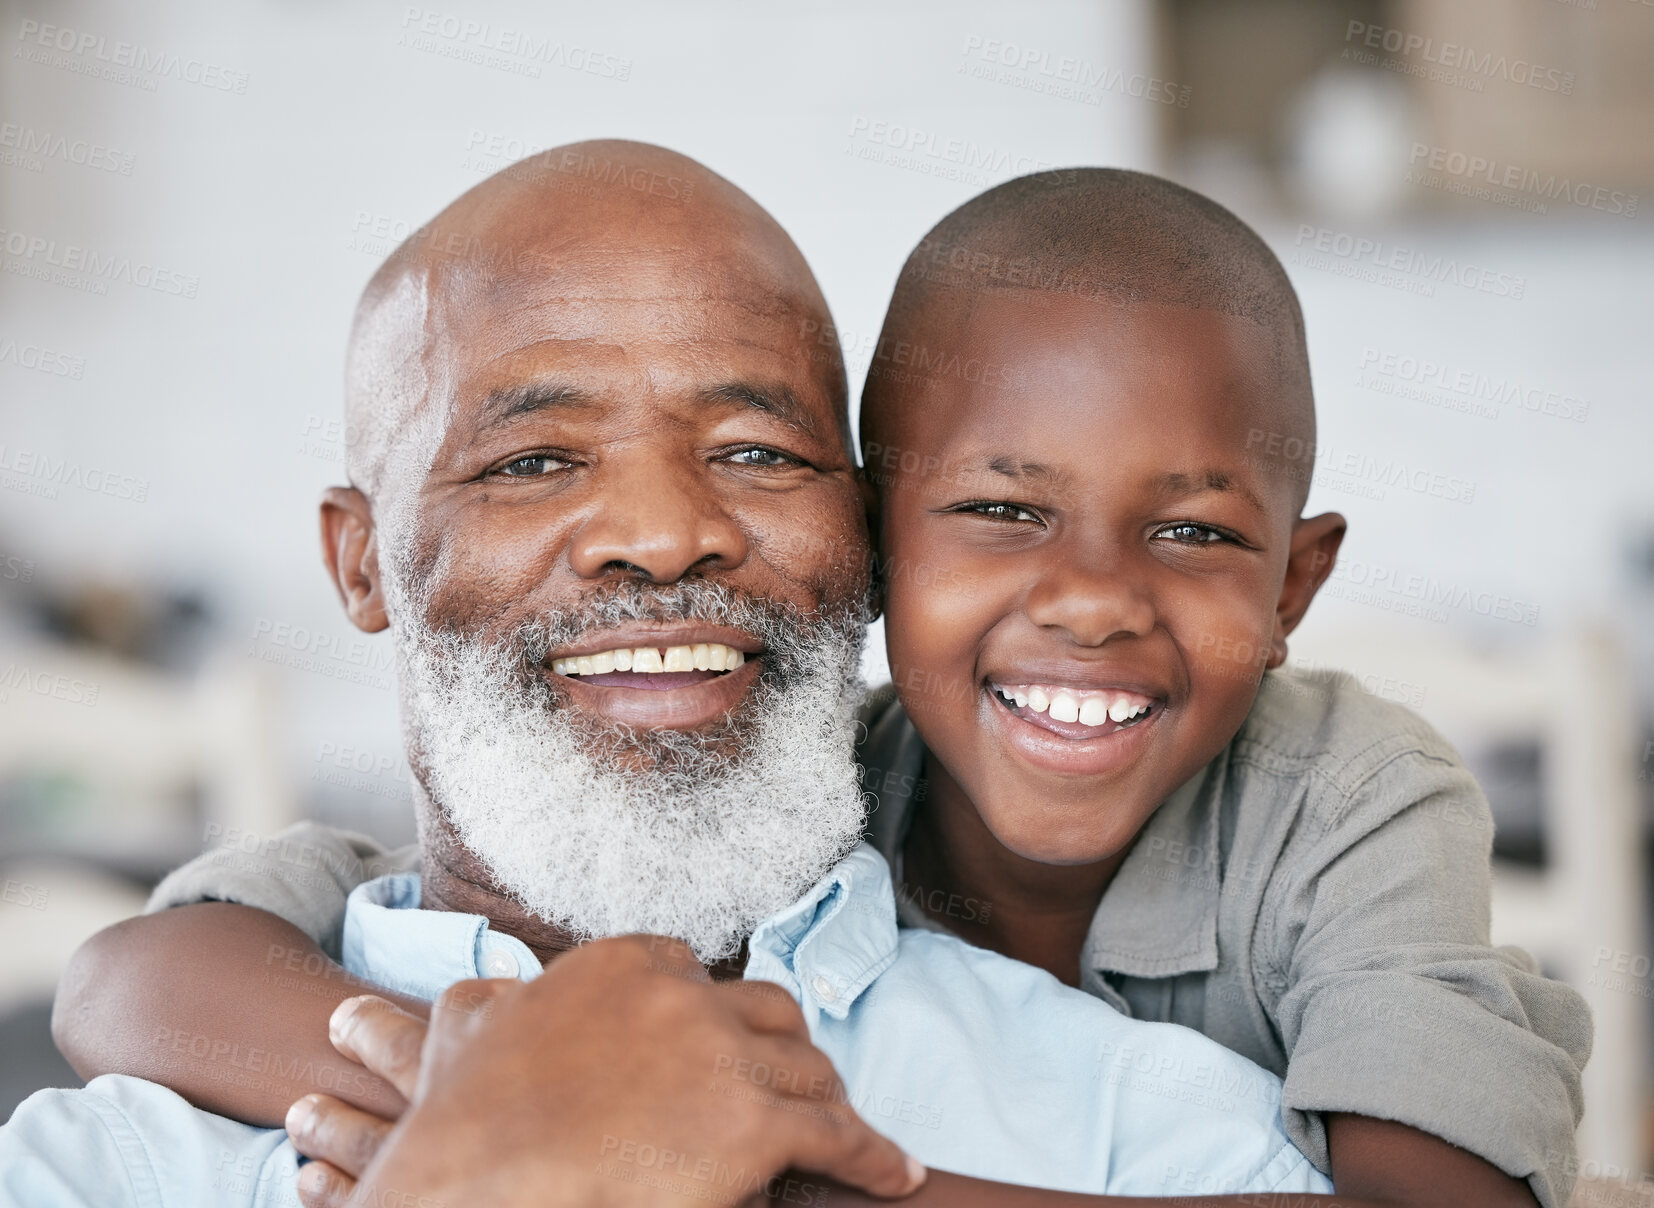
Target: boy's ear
<point>1315,542</point>
<point>875,512</point>
<point>350,551</point>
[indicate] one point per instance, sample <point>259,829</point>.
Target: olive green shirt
<point>1317,899</point>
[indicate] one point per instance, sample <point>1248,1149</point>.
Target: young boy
<point>1090,426</point>
<point>1094,552</point>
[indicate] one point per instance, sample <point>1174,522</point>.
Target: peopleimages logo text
<point>1484,169</point>
<point>93,265</point>
<point>141,59</point>
<point>1378,256</point>
<point>1456,57</point>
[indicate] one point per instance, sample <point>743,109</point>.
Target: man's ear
<point>350,551</point>
<point>1315,542</point>
<point>874,512</point>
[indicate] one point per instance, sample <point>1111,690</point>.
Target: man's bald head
<point>564,217</point>
<point>1123,238</point>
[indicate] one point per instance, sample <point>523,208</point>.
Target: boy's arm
<point>1376,1164</point>
<point>225,1004</point>
<point>1377,971</point>
<point>1432,1180</point>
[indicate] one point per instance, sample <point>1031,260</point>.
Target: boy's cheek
<point>936,617</point>
<point>1226,664</point>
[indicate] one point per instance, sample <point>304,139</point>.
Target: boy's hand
<point>615,1078</point>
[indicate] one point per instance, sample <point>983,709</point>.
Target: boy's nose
<point>658,521</point>
<point>1089,603</point>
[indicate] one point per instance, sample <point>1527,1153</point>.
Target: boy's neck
<point>1036,913</point>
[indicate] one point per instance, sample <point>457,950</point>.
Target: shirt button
<point>497,962</point>
<point>824,989</point>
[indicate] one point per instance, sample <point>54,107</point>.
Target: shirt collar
<point>833,942</point>
<point>389,940</point>
<point>825,949</point>
<point>892,762</point>
<point>1159,915</point>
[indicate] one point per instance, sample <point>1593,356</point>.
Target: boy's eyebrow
<point>1012,468</point>
<point>1211,480</point>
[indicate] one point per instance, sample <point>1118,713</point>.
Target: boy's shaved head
<point>1090,423</point>
<point>1120,237</point>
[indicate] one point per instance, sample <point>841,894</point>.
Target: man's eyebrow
<point>1210,480</point>
<point>508,402</point>
<point>778,401</point>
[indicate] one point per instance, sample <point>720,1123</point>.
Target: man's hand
<point>343,1140</point>
<point>618,1077</point>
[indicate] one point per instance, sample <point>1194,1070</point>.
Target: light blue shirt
<point>971,1061</point>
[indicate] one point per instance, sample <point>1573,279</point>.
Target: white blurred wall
<point>279,200</point>
<point>282,200</point>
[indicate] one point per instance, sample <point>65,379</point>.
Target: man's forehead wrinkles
<point>588,329</point>
<point>756,298</point>
<point>580,369</point>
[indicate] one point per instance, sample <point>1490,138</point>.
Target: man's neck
<point>453,878</point>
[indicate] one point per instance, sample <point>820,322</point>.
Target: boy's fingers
<point>324,1186</point>
<point>333,1131</point>
<point>853,1153</point>
<point>382,1036</point>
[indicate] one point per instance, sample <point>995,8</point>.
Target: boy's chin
<point>1069,835</point>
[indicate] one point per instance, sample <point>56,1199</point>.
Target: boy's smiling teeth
<point>702,656</point>
<point>1083,705</point>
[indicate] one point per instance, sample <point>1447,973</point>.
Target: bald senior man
<point>587,417</point>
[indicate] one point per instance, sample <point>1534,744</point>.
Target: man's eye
<point>762,457</point>
<point>1193,534</point>
<point>998,510</point>
<point>535,465</point>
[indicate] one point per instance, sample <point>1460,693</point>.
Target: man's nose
<point>1090,600</point>
<point>657,520</point>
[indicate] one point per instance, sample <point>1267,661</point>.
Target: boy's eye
<point>762,457</point>
<point>1188,533</point>
<point>995,509</point>
<point>532,465</point>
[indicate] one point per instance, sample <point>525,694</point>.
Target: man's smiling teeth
<point>703,656</point>
<point>1067,704</point>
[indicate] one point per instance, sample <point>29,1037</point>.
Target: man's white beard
<point>604,830</point>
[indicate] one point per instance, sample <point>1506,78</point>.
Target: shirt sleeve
<point>38,1171</point>
<point>303,874</point>
<point>1391,1000</point>
<point>126,1143</point>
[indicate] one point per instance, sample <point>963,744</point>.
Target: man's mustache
<point>786,634</point>
<point>512,664</point>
